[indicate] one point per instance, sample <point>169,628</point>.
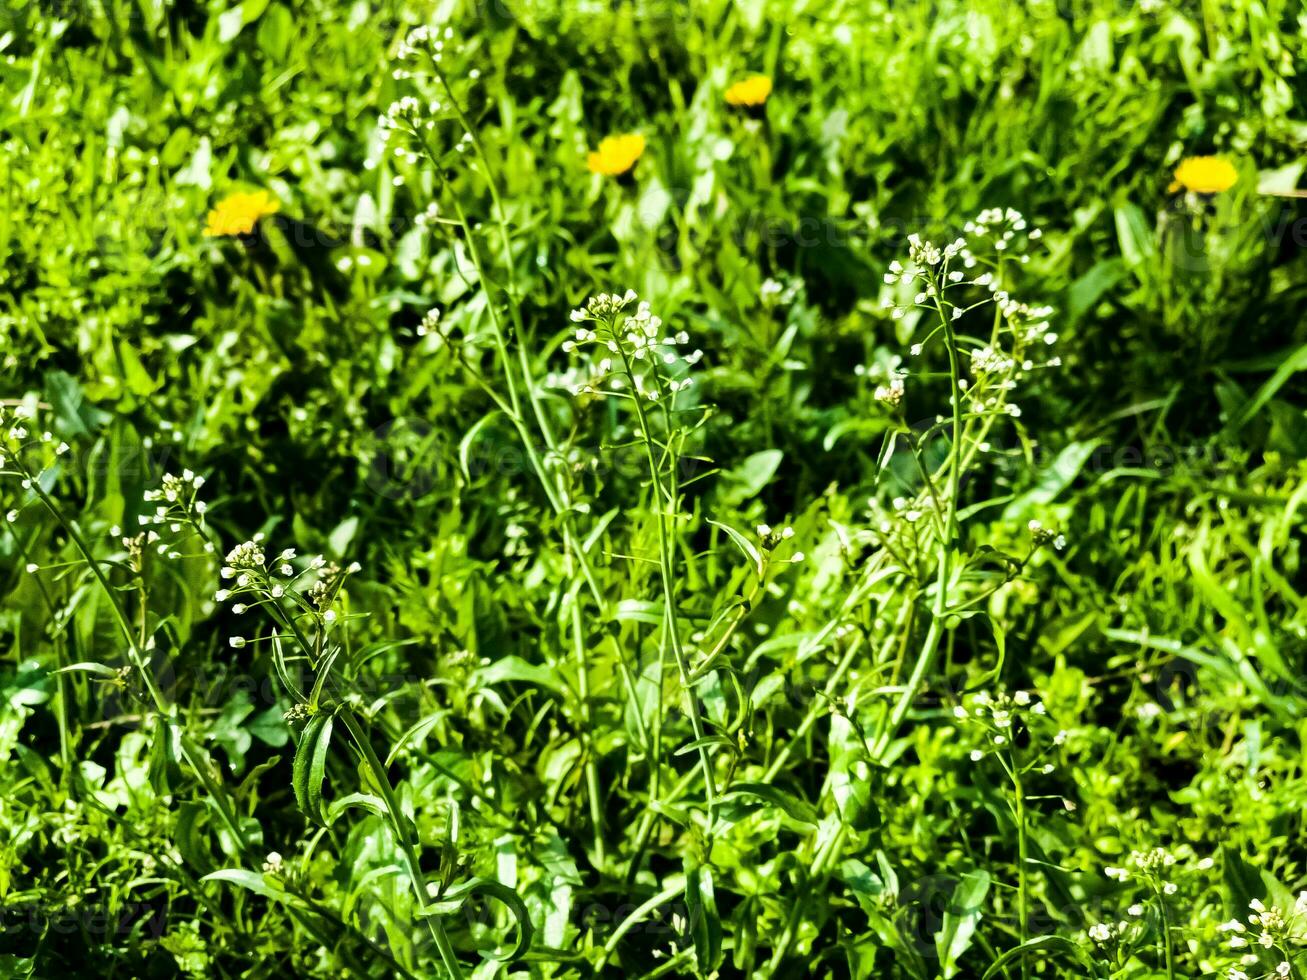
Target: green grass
<point>766,675</point>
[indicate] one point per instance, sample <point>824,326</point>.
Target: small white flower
<point>236,642</point>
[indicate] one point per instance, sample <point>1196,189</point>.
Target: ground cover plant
<point>739,488</point>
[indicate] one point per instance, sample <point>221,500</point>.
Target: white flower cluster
<point>937,273</point>
<point>770,537</point>
<point>987,360</point>
<point>178,506</point>
<point>405,115</point>
<point>1121,932</point>
<point>775,293</point>
<point>901,515</point>
<point>603,306</point>
<point>1001,224</point>
<point>1153,868</point>
<point>1104,933</point>
<point>249,554</point>
<point>1043,536</point>
<point>635,351</point>
<point>429,216</point>
<point>21,453</point>
<point>1269,927</point>
<point>260,581</point>
<point>430,322</point>
<point>423,41</point>
<point>892,393</point>
<point>995,713</point>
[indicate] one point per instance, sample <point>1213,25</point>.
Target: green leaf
<point>339,540</point>
<point>704,924</point>
<point>744,544</point>
<point>365,801</point>
<point>851,790</point>
<point>469,440</point>
<point>1288,367</point>
<point>1138,246</point>
<point>311,763</point>
<point>792,806</point>
<point>514,668</point>
<point>248,880</point>
<point>164,770</point>
<point>76,415</point>
<point>186,835</point>
<point>99,670</point>
<point>1040,945</point>
<point>454,899</point>
<point>745,481</point>
<point>960,920</point>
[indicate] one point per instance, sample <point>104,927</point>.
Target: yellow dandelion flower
<point>237,214</point>
<point>751,91</point>
<point>616,154</point>
<point>1204,175</point>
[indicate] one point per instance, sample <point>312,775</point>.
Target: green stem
<point>1023,886</point>
<point>930,647</point>
<point>666,511</point>
<point>635,918</point>
<point>571,539</point>
<point>397,820</point>
<point>587,730</point>
<point>1167,950</point>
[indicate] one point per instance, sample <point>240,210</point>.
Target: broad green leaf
<point>960,920</point>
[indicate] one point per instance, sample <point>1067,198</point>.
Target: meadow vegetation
<point>732,488</point>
